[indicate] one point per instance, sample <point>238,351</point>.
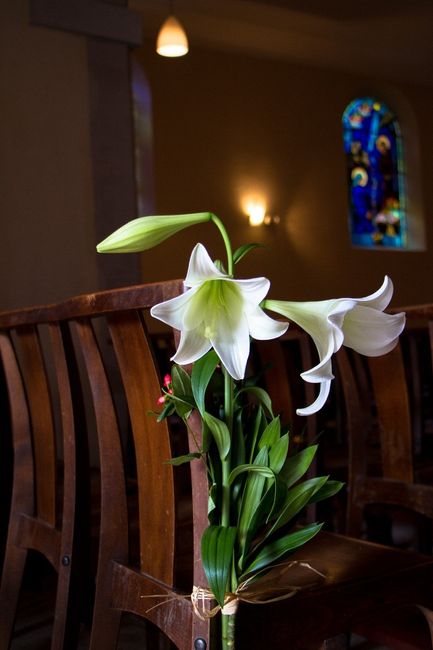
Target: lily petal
<point>372,332</point>
<point>172,312</point>
<point>253,291</point>
<point>320,400</point>
<point>381,298</point>
<point>201,267</point>
<point>233,346</point>
<point>262,327</point>
<point>192,346</point>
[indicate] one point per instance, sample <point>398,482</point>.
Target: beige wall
<point>223,122</point>
<point>47,239</point>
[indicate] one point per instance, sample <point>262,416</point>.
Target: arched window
<point>372,144</point>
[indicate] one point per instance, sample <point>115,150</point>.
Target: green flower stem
<point>219,224</point>
<point>228,412</point>
<point>228,626</point>
<point>227,622</point>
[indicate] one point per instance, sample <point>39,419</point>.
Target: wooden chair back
<point>101,352</point>
<point>381,463</point>
<point>147,588</point>
<point>35,520</point>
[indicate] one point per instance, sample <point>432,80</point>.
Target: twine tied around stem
<point>254,590</point>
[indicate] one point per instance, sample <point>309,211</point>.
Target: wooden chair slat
<point>152,444</point>
<point>44,443</point>
<point>113,500</point>
<point>390,389</point>
<point>113,532</point>
<point>22,500</point>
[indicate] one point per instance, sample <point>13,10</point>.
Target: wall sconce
<point>172,40</point>
<point>256,212</point>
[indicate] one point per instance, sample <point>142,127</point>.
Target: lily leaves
<point>217,554</point>
<point>202,372</point>
<point>273,551</point>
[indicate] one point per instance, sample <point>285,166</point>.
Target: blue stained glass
<point>372,145</point>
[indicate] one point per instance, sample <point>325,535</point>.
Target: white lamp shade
<point>172,40</point>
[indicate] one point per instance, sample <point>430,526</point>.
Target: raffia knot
<point>200,597</point>
<point>255,589</point>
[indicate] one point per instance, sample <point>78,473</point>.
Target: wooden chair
<point>361,579</point>
<point>382,473</point>
<point>383,436</point>
<point>145,588</point>
<point>108,352</point>
<point>35,520</point>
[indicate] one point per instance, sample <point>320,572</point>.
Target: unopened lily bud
<point>146,232</point>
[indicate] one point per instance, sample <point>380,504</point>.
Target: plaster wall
<point>47,237</point>
<point>224,124</point>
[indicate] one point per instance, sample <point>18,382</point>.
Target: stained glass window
<point>374,174</point>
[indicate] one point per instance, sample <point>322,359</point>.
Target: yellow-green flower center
<point>216,303</point>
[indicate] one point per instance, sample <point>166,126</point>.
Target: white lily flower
<point>358,323</point>
<point>218,312</point>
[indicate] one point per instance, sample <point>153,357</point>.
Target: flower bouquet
<point>256,484</point>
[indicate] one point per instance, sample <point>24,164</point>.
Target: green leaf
<point>212,503</point>
<point>237,456</point>
<point>297,498</point>
<point>182,392</point>
<point>180,460</point>
<point>273,551</point>
<point>296,466</point>
<point>243,250</point>
<point>167,410</point>
<point>261,395</point>
<point>252,495</point>
<point>271,434</point>
<point>270,502</point>
<point>278,453</point>
<point>327,490</point>
<point>182,407</point>
<point>255,432</point>
<point>181,382</point>
<point>220,433</point>
<point>206,437</point>
<point>237,452</point>
<point>202,372</point>
<point>263,470</point>
<point>217,553</point>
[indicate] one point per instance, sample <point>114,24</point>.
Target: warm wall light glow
<point>255,209</point>
<point>172,40</point>
<point>256,213</point>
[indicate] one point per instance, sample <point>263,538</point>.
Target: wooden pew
<point>102,351</point>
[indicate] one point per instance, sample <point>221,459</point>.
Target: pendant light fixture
<point>172,40</point>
